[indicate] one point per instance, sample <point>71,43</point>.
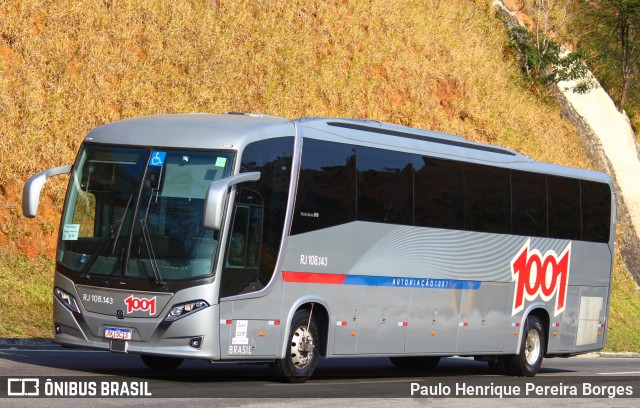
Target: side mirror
<point>217,195</point>
<point>33,186</point>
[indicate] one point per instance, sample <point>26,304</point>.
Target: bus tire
<point>422,362</point>
<point>301,357</point>
<point>161,362</point>
<point>528,361</point>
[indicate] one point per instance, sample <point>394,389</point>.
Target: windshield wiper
<point>152,255</point>
<point>149,245</point>
<point>116,227</point>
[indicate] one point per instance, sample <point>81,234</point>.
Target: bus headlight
<point>185,309</point>
<point>67,300</point>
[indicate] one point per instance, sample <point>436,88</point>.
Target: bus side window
<point>327,189</point>
<point>236,253</point>
<point>596,211</point>
<point>242,259</point>
<point>529,203</point>
<point>487,199</point>
<point>244,243</point>
<point>439,193</point>
<point>564,208</point>
<point>385,186</point>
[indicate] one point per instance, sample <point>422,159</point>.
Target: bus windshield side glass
<point>141,202</point>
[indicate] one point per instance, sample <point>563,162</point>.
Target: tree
<point>541,54</point>
<point>612,34</point>
<point>628,28</point>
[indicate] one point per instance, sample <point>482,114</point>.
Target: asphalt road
<point>200,383</point>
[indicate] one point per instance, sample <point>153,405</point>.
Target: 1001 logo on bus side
<point>538,275</point>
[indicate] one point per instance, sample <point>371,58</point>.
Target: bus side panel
<point>450,291</point>
<point>384,321</point>
<point>344,324</point>
<point>433,320</point>
<point>563,328</point>
<point>590,332</point>
<point>252,327</point>
<point>483,318</point>
<point>577,328</point>
<point>344,311</point>
<point>590,264</point>
<point>226,327</point>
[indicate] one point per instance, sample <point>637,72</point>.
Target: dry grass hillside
<point>71,65</point>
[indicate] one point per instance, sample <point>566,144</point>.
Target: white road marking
<point>9,351</point>
<point>405,380</point>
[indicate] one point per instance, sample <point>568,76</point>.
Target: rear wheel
<point>301,358</point>
<point>528,361</point>
<point>424,362</point>
<point>161,363</point>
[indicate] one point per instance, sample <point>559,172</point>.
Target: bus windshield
<point>137,213</point>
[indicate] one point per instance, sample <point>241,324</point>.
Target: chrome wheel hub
<point>532,347</point>
<point>301,347</point>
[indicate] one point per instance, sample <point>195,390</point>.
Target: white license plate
<point>117,333</point>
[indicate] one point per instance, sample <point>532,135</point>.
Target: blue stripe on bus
<point>389,281</point>
<point>426,283</point>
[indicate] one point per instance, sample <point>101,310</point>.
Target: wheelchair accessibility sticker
<point>157,158</point>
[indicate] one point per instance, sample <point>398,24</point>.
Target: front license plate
<point>117,333</point>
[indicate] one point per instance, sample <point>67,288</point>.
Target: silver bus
<point>253,238</point>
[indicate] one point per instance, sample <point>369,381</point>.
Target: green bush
<point>545,61</point>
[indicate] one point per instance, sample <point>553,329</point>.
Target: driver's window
<point>244,243</point>
<point>242,260</point>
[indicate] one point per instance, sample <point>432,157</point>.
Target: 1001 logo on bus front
<point>538,275</point>
<point>146,305</point>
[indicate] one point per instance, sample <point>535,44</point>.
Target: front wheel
<point>528,361</point>
<point>301,358</point>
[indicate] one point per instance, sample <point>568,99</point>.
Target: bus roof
<point>396,135</point>
<point>385,135</point>
<point>197,130</point>
<point>236,130</point>
<point>193,130</point>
